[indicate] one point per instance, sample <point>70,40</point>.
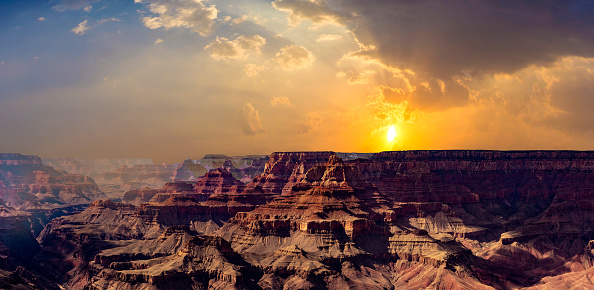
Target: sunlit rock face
<point>284,169</point>
<point>415,220</point>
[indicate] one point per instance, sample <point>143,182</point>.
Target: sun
<point>391,133</point>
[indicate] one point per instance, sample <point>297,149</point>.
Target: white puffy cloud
<point>280,101</point>
<point>249,120</point>
<point>222,48</point>
<point>293,57</point>
<point>190,14</point>
<point>81,28</point>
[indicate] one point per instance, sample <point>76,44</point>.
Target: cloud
<point>442,39</point>
<point>64,5</point>
<point>41,19</point>
<point>328,37</point>
<point>190,14</point>
<point>81,28</point>
<point>311,122</point>
<point>249,120</point>
<point>222,48</point>
<point>240,19</point>
<point>294,57</point>
<point>559,96</point>
<point>280,101</point>
<point>430,94</point>
<point>317,11</point>
<point>108,20</point>
<point>252,70</point>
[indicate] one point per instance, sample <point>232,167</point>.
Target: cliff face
<point>31,194</point>
<point>25,183</point>
<point>125,178</point>
<point>284,169</point>
<point>493,189</point>
<point>243,168</point>
<point>415,219</point>
<point>19,159</point>
<point>115,176</point>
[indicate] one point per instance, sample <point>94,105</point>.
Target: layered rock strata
<point>25,183</point>
<point>243,168</point>
<point>414,219</point>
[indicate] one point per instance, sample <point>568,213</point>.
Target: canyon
<point>446,219</point>
<point>116,176</point>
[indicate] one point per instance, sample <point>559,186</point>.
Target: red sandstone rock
<point>415,219</point>
<point>27,183</point>
<point>284,169</point>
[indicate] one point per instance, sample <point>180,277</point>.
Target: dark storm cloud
<point>444,38</point>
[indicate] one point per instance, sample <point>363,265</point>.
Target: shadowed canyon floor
<point>314,220</point>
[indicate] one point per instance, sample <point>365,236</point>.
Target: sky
<point>177,79</point>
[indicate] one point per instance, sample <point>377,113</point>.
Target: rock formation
<point>25,183</point>
<point>243,168</point>
<point>116,176</point>
<point>311,220</point>
<point>132,178</point>
<point>283,169</point>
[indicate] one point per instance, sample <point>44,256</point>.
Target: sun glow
<point>391,133</point>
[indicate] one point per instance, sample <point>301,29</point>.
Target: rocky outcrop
<point>17,240</point>
<point>116,176</point>
<point>330,218</point>
<point>284,169</point>
<point>218,181</point>
<point>203,262</point>
<point>188,170</point>
<point>15,159</point>
<point>413,219</point>
<point>491,189</point>
<point>25,183</point>
<point>133,178</point>
<point>243,168</point>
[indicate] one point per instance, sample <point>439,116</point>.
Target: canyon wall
<point>412,219</point>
